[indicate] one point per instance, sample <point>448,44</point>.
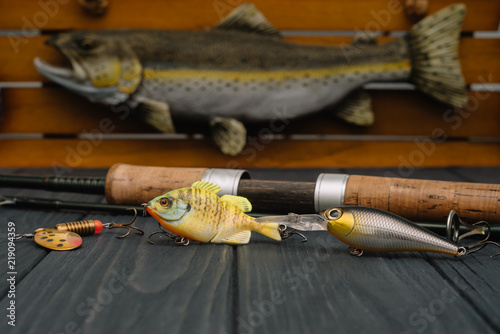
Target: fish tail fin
<point>434,51</point>
<point>270,230</point>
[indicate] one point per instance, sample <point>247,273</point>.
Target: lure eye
<point>164,202</point>
<point>333,214</point>
<point>87,44</point>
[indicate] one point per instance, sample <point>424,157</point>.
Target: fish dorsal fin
<point>210,187</point>
<point>240,238</point>
<point>247,18</point>
<point>240,202</point>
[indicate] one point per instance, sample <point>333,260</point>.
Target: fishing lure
<point>369,229</point>
<point>379,231</point>
<point>197,213</point>
<point>67,236</point>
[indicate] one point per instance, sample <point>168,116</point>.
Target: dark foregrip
<point>278,196</point>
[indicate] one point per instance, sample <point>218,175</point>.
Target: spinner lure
<point>67,236</point>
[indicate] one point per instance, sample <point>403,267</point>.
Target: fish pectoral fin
<point>356,108</point>
<point>229,134</point>
<point>238,201</point>
<point>247,18</point>
<point>157,114</point>
<point>131,68</point>
<point>239,238</point>
<point>365,38</point>
<point>207,186</point>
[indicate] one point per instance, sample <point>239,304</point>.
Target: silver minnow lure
<point>370,229</point>
<point>375,230</point>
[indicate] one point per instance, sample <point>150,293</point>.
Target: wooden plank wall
<point>46,125</point>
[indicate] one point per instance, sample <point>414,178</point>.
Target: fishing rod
<point>417,200</point>
<point>54,204</point>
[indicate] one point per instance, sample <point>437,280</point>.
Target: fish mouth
<point>76,79</point>
<point>153,213</point>
<point>156,216</point>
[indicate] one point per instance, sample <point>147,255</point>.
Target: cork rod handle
<point>425,200</point>
<point>129,184</point>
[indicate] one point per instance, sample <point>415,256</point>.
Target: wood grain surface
<point>112,285</point>
<point>66,154</point>
<point>199,14</point>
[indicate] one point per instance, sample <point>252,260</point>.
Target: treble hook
<point>479,228</point>
<point>287,234</point>
<point>128,226</point>
<point>178,240</point>
<point>356,252</point>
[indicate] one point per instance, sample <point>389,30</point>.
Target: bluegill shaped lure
<point>197,213</point>
<point>68,236</point>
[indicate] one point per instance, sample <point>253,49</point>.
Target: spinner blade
<point>57,240</point>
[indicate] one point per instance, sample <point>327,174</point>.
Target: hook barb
<point>479,228</point>
<point>287,234</point>
<point>178,240</point>
<point>127,226</point>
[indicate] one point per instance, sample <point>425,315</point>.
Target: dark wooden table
<point>130,286</point>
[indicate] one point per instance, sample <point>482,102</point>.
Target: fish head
<point>340,223</point>
<point>103,67</point>
<point>168,208</point>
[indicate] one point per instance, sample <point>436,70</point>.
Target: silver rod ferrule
<point>329,191</point>
<point>227,179</point>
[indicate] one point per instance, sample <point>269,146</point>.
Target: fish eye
<point>334,214</point>
<point>87,44</point>
<point>164,201</point>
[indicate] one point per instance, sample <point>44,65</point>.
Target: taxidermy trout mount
<point>243,71</point>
